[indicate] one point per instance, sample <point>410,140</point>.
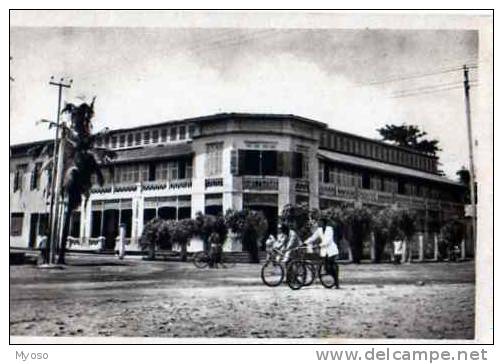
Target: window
<point>16,224</point>
<point>188,169</point>
<point>410,189</point>
<point>114,142</point>
<point>191,131</point>
<point>122,141</point>
<point>35,176</point>
<point>155,136</point>
<point>357,147</point>
<point>146,137</point>
<point>390,185</point>
<point>164,135</point>
<point>182,132</point>
<point>131,173</point>
<point>376,183</point>
<point>172,134</point>
<point>19,177</point>
<point>214,159</point>
<point>129,140</point>
<point>137,139</point>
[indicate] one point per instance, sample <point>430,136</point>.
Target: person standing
<point>397,251</point>
<point>43,246</point>
<point>215,249</point>
<point>328,248</point>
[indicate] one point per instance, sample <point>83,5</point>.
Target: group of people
<point>323,238</point>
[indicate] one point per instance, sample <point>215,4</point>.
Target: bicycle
<point>305,271</point>
<point>202,260</point>
<point>273,270</point>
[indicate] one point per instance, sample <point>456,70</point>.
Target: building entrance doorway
<point>110,228</point>
<point>38,226</point>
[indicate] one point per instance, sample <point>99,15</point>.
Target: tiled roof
<point>389,168</point>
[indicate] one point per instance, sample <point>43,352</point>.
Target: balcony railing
<point>385,198</point>
<point>213,182</point>
<point>302,186</point>
<point>145,186</point>
<point>180,183</point>
<point>260,183</point>
<point>153,185</point>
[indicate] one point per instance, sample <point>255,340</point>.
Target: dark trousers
<point>332,268</point>
<point>44,253</point>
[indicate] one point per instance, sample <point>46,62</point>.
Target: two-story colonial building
<point>175,169</point>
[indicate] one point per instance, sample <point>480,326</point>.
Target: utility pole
<point>57,158</point>
<point>470,150</point>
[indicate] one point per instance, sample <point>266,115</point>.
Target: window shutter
<point>241,162</point>
<point>32,178</point>
<point>16,181</point>
<point>234,162</point>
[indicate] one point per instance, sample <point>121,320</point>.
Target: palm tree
<point>82,161</point>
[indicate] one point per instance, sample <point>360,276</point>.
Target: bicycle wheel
<point>227,261</point>
<point>296,274</point>
<point>310,274</point>
<point>272,274</point>
<point>326,279</point>
<point>201,259</point>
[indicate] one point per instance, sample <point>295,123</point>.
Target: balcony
<point>338,192</point>
<point>213,182</point>
<point>301,186</point>
<point>153,185</point>
<point>145,186</point>
<point>386,198</point>
<point>254,183</point>
<point>180,183</point>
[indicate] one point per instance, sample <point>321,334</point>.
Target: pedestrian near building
<point>397,251</point>
<point>215,249</point>
<point>43,246</point>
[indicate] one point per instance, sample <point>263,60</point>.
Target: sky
<point>346,78</point>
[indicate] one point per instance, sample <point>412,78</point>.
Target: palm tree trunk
<point>64,236</point>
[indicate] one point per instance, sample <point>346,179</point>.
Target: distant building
<point>210,164</point>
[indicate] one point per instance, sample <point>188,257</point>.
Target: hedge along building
<point>209,164</point>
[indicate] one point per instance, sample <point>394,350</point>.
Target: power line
<point>426,92</point>
<point>429,88</point>
<point>417,75</point>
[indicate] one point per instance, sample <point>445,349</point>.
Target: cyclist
<point>328,248</point>
<point>288,239</point>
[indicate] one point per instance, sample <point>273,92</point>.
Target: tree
<point>357,223</point>
<point>155,235</point>
<point>385,227</point>
<point>180,233</point>
<point>204,225</point>
<point>409,136</point>
<point>406,226</point>
<point>300,218</point>
<point>251,226</point>
<point>82,161</point>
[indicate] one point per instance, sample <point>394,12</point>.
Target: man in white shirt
<point>328,248</point>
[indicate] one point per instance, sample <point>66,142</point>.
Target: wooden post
<point>435,247</point>
<point>463,249</point>
<point>421,247</point>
